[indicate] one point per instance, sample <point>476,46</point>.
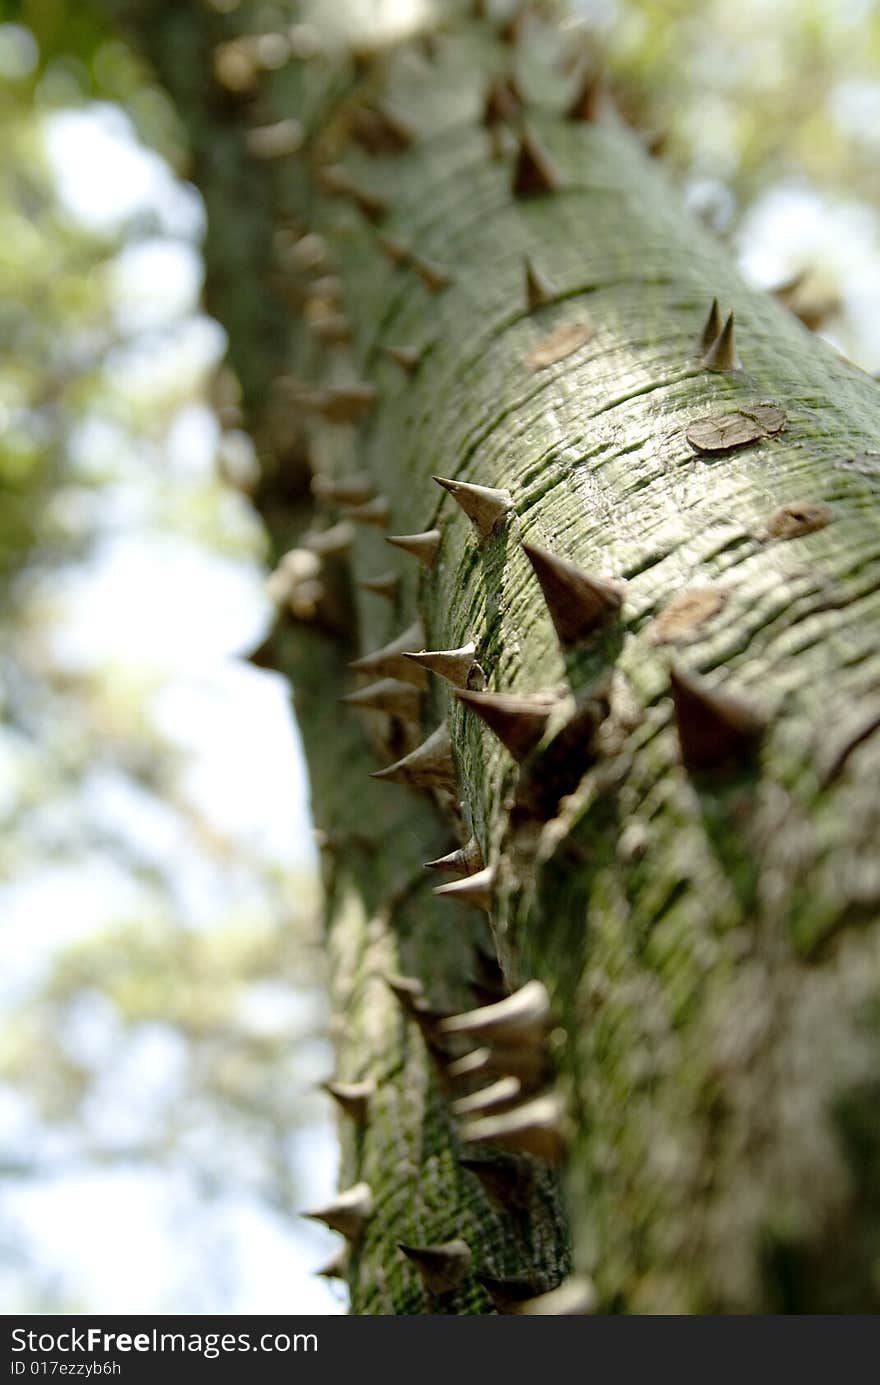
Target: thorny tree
<point>594,524</point>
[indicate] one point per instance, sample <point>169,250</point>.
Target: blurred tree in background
<point>163,1013</point>
<point>157,1004</point>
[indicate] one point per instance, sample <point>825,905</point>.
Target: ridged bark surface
<point>708,933</point>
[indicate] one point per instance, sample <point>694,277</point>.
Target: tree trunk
<point>677,814</point>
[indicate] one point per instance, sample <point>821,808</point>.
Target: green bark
<point>709,940</point>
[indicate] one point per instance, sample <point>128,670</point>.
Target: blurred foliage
<point>159,1006</point>
<point>754,92</point>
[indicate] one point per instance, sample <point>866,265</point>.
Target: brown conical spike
<point>340,403</point>
<point>389,662</point>
<point>518,722</point>
<point>520,1018</point>
<point>429,766</point>
<point>513,28</point>
<point>352,1097</point>
<point>503,102</point>
<point>407,989</point>
<point>348,1213</point>
<point>711,328</point>
<point>538,1127</point>
<point>535,174</point>
<point>330,543</point>
<point>524,1061</point>
<point>420,546</point>
<point>339,183</point>
<point>385,584</point>
<point>333,328</point>
<point>407,357</point>
<point>467,860</point>
<point>373,512</point>
<point>389,695</point>
<point>575,1298</point>
<point>539,290</point>
<point>478,890</point>
<point>380,130</point>
<point>441,1267</point>
<point>484,506</point>
<point>507,1294</point>
<point>507,1179</point>
<point>394,249</point>
<point>473,1064</point>
<point>337,1266</point>
<point>496,1097</point>
<point>348,490</point>
<point>721,355</point>
<point>590,98</point>
<point>434,278</point>
<point>716,730</point>
<point>452,664</point>
<point>579,605</point>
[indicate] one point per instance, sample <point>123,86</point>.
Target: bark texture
<point>694,877</point>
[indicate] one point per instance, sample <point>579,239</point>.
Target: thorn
<point>716,730</point>
<point>407,357</point>
<point>722,353</point>
<point>373,512</point>
<point>349,490</point>
<point>536,1127</point>
<point>388,662</point>
<point>512,30</point>
<point>394,249</point>
<point>502,142</point>
<point>330,543</point>
<point>429,766</point>
<point>389,695</point>
<point>441,1267</point>
<point>506,1179</point>
<point>711,328</point>
<point>407,989</point>
<point>518,722</point>
<point>335,180</point>
<point>579,605</point>
<point>384,585</point>
<point>521,1018</point>
<point>477,890</point>
<point>471,1064</point>
<point>503,102</point>
<point>352,1097</point>
<point>340,403</point>
<point>587,104</point>
<point>523,1061</point>
<point>507,1294</point>
<point>536,173</point>
<point>432,276</point>
<point>538,289</point>
<point>490,974</point>
<point>348,1213</point>
<point>332,328</point>
<point>336,1266</point>
<point>452,664</point>
<point>422,546</point>
<point>789,287</point>
<point>575,1298</point>
<point>484,506</point>
<point>381,131</point>
<point>467,860</point>
<point>505,1092</point>
<point>428,1020</point>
